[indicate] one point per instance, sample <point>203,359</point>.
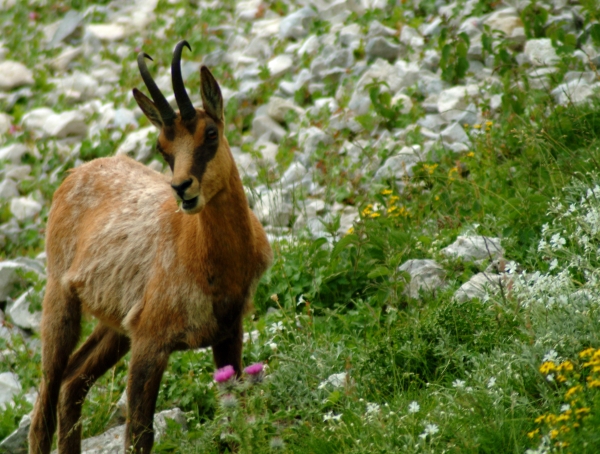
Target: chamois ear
<point>212,100</point>
<point>148,107</point>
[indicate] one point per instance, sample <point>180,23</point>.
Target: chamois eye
<point>211,134</point>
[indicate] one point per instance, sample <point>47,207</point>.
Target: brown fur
<point>158,277</point>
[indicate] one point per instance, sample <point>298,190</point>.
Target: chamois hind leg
<point>60,329</point>
<point>229,351</point>
<point>149,359</point>
<point>98,353</point>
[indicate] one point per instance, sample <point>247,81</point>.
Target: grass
<point>508,373</point>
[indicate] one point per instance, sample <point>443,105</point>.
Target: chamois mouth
<point>190,204</point>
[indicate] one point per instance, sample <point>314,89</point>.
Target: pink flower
<point>254,369</point>
<point>224,374</point>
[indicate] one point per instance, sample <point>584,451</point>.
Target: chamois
<point>163,265</point>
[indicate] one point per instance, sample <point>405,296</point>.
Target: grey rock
<point>67,26</point>
<point>64,124</point>
<point>311,138</point>
<point>411,37</point>
<point>479,285</point>
<point>279,107</point>
<point>271,208</point>
<point>452,101</point>
<point>504,20</point>
<point>10,386</point>
<point>8,189</point>
<point>13,152</point>
<point>433,122</point>
<point>427,275</point>
<point>474,248</point>
<point>24,208</point>
<point>19,312</point>
<point>265,128</point>
<point>350,36</point>
<point>540,52</point>
<point>380,47</point>
<point>433,28</point>
<point>14,74</point>
<point>430,62</point>
<point>137,144</point>
<point>16,442</point>
<point>294,174</point>
<point>280,65</point>
<point>17,172</point>
<point>430,84</point>
<point>296,24</point>
<point>9,275</point>
<point>107,32</point>
<point>399,165</point>
<point>64,59</point>
<point>34,119</point>
<point>376,28</point>
<point>576,91</point>
<point>455,133</point>
<point>5,123</point>
<point>78,86</point>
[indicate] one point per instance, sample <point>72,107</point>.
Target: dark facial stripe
<point>202,156</point>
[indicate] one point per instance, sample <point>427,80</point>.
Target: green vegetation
<point>353,364</point>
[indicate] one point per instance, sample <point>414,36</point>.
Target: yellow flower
<point>540,419</point>
<point>561,378</point>
<point>350,230</point>
<point>489,124</point>
<point>394,199</point>
<point>547,367</point>
<point>594,383</point>
<point>533,433</point>
<point>392,209</point>
<point>550,419</point>
<point>437,197</point>
<point>374,215</point>
<point>470,154</point>
<point>587,352</point>
<point>583,410</point>
<point>386,192</point>
<point>572,391</point>
<point>430,168</point>
<point>565,366</point>
<point>477,126</point>
<point>553,433</point>
<point>367,210</point>
<point>466,125</point>
<point>562,417</point>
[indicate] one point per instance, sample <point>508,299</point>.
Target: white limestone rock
<point>451,102</point>
<point>455,134</point>
<point>14,74</point>
<point>272,208</point>
<point>380,47</point>
<point>504,20</point>
<point>425,275</point>
<point>296,24</point>
<point>8,189</point>
<point>280,65</point>
<point>311,138</point>
<point>19,312</point>
<point>399,165</point>
<point>267,129</point>
<point>9,275</point>
<point>576,91</point>
<point>107,32</point>
<point>64,124</point>
<point>13,152</point>
<point>479,285</point>
<point>10,386</point>
<point>293,175</point>
<point>24,208</point>
<point>5,123</point>
<point>540,52</point>
<point>16,442</point>
<point>474,248</point>
<point>137,144</point>
<point>279,107</point>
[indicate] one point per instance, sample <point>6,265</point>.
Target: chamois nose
<point>181,188</point>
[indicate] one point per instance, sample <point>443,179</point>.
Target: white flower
<point>492,382</point>
<point>557,241</point>
<point>336,380</point>
<point>276,327</point>
<point>251,336</point>
<point>273,346</point>
<point>413,407</point>
<point>458,383</point>
<point>564,408</point>
<point>551,356</point>
<point>430,429</point>
<point>331,417</point>
<point>553,264</point>
<point>372,410</point>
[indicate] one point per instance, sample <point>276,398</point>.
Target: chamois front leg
<point>229,351</point>
<point>149,360</point>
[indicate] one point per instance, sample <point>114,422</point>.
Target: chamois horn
<point>166,111</point>
<point>186,109</point>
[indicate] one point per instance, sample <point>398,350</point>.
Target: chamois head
<point>191,140</point>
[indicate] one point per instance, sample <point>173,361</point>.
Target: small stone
<point>505,21</point>
<point>455,133</point>
<point>452,101</point>
<point>380,47</point>
<point>18,311</point>
<point>478,286</point>
<point>294,174</point>
<point>296,24</point>
<point>411,37</point>
<point>17,172</point>
<point>376,28</point>
<point>271,208</point>
<point>107,32</point>
<point>280,65</point>
<point>427,275</point>
<point>399,165</point>
<point>5,123</point>
<point>8,189</point>
<point>68,54</point>
<point>9,275</point>
<point>14,74</point>
<point>265,128</point>
<point>279,107</point>
<point>473,248</point>
<point>13,152</point>
<point>77,86</point>
<point>64,124</point>
<point>540,52</point>
<point>34,120</point>
<point>10,386</point>
<point>433,28</point>
<point>24,208</point>
<point>67,26</point>
<point>16,442</point>
<point>137,144</point>
<point>405,100</point>
<point>575,92</point>
<point>311,138</point>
